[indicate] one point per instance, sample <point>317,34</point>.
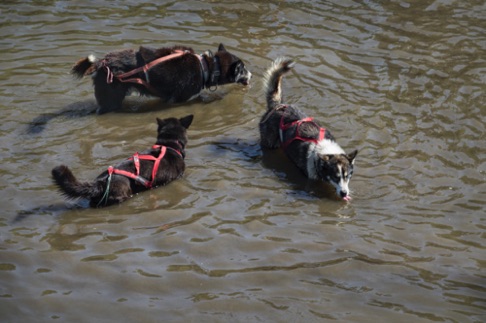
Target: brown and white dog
<point>157,166</point>
<point>312,148</point>
<point>174,74</point>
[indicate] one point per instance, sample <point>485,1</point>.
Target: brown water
<point>243,236</point>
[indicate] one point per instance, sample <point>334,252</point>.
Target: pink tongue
<point>347,198</point>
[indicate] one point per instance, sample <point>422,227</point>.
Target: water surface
<point>243,236</point>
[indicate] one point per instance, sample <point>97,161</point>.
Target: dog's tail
<point>85,66</point>
<point>71,187</point>
<point>273,79</point>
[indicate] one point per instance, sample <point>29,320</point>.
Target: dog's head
<point>337,170</point>
<point>173,129</point>
<point>233,69</point>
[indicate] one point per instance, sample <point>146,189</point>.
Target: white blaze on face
<point>342,184</point>
<point>323,147</point>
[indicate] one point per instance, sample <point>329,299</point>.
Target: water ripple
<point>243,235</point>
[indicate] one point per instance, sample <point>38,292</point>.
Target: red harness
<point>136,160</point>
<point>144,69</point>
<point>297,123</point>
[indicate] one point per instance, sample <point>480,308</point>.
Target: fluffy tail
<point>84,66</point>
<point>273,79</point>
<point>71,187</point>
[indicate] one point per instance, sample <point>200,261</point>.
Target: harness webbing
<point>208,79</point>
<point>136,161</point>
<point>136,176</point>
<point>297,123</point>
<point>144,69</point>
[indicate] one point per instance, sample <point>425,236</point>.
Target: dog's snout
<point>343,193</point>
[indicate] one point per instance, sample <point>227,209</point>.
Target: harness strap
<point>208,79</point>
<point>136,161</point>
<point>144,69</point>
<point>149,65</point>
<point>125,173</point>
<point>297,123</point>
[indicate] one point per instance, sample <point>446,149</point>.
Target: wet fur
<point>325,160</point>
<point>177,80</point>
<point>171,133</point>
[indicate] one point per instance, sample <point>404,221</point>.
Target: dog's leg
<point>109,96</point>
<point>269,143</point>
<point>269,132</point>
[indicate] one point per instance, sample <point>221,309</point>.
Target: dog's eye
<point>238,67</point>
<point>350,173</point>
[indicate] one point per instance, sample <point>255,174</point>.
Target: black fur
<point>174,81</point>
<point>171,133</point>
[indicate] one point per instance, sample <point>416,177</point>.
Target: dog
<point>157,166</point>
<point>312,148</point>
<point>174,74</point>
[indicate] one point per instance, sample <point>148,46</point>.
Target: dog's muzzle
<point>345,195</point>
<point>244,78</point>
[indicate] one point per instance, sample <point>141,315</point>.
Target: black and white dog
<point>312,148</point>
<point>157,166</point>
<point>174,74</point>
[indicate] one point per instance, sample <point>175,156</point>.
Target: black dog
<point>311,147</point>
<point>174,74</point>
<point>159,165</point>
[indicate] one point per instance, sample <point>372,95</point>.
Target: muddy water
<point>244,236</point>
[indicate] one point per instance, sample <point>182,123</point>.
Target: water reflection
<point>243,235</point>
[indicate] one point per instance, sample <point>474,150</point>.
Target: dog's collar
<point>210,78</point>
<point>216,71</point>
<point>180,146</point>
<point>204,69</point>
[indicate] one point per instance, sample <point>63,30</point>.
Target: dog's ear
<point>186,121</point>
<point>352,156</point>
<point>221,48</point>
<point>161,122</point>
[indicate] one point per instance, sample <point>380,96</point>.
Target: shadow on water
<point>53,209</point>
<point>242,148</point>
<point>74,110</point>
<point>133,104</point>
